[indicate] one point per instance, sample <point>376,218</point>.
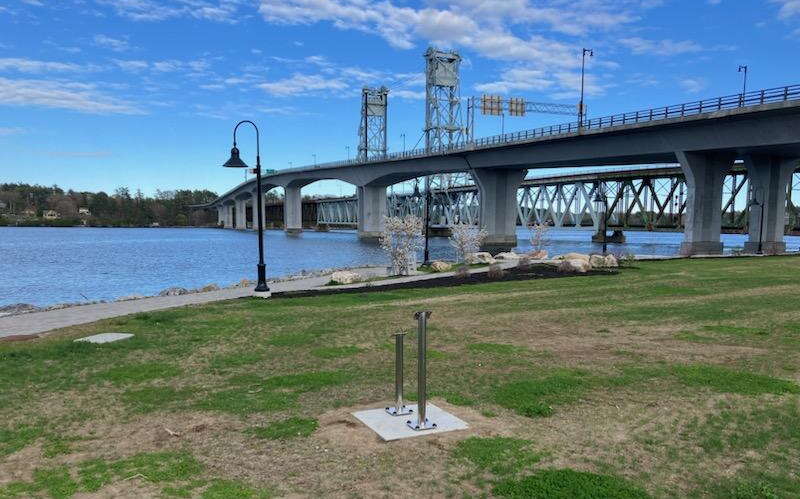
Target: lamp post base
<point>262,294</point>
<point>262,290</point>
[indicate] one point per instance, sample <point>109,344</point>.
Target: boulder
<point>611,261</point>
<point>18,308</point>
<point>574,266</point>
<point>597,261</point>
<point>209,287</point>
<point>174,291</point>
<point>439,266</point>
<point>537,255</point>
<point>575,256</point>
<point>480,257</point>
<point>345,277</point>
<point>507,256</point>
<point>129,298</point>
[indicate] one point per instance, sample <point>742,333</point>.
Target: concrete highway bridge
<point>750,140</point>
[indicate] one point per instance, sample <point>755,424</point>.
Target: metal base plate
<point>404,411</point>
<point>427,425</point>
<point>391,428</point>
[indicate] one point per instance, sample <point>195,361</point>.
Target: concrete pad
<point>106,337</point>
<point>395,428</point>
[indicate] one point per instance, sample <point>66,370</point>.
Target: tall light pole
<point>348,152</point>
<point>262,290</point>
<point>601,208</point>
<point>743,69</point>
<point>404,141</point>
<point>581,111</point>
<point>760,206</point>
<point>315,159</point>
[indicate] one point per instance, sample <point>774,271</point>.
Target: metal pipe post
<point>399,408</point>
<point>422,422</point>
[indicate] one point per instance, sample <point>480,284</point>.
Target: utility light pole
<point>743,69</point>
<point>348,152</point>
<point>590,52</point>
<point>404,141</point>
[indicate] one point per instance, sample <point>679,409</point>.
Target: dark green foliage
<point>568,484</point>
<point>288,428</point>
<point>498,455</point>
<point>534,397</point>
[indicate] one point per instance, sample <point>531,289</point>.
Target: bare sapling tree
<point>401,240</point>
<point>466,239</point>
<point>539,236</point>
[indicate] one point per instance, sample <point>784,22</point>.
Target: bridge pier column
<point>227,216</point>
<point>705,174</point>
<point>372,209</point>
<point>769,177</point>
<point>498,206</point>
<point>292,210</point>
<point>221,215</point>
<point>241,214</point>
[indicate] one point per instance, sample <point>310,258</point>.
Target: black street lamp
<point>418,196</point>
<point>262,290</point>
<point>760,206</point>
<point>601,208</point>
<point>581,106</point>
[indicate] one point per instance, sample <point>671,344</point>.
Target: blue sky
<point>96,94</point>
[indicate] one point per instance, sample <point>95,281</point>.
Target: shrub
<point>495,271</point>
<point>462,272</point>
<point>401,239</point>
<point>466,239</point>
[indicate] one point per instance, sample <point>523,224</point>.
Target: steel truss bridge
<point>650,198</point>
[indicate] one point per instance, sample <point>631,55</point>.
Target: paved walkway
<point>40,322</point>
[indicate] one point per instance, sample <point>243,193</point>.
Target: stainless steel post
<point>422,422</point>
<point>399,408</point>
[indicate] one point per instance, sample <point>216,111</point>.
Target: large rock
<point>129,298</point>
<point>574,256</point>
<point>174,291</point>
<point>345,277</point>
<point>507,256</point>
<point>597,261</point>
<point>18,308</point>
<point>574,266</point>
<point>537,255</point>
<point>611,261</point>
<point>480,257</point>
<point>209,287</point>
<point>439,266</point>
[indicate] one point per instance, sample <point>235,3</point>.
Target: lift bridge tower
<point>372,130</point>
<point>443,125</point>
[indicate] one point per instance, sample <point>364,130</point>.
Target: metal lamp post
<point>743,69</point>
<point>753,203</point>
<point>601,207</point>
<point>418,197</point>
<point>590,52</point>
<point>262,290</point>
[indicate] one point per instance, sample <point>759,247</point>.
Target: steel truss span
<point>650,199</point>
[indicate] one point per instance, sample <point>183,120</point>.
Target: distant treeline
<point>25,204</point>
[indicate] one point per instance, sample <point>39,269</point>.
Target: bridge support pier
<point>221,215</point>
<point>227,216</point>
<point>241,214</point>
<point>704,177</point>
<point>769,178</point>
<point>498,206</point>
<point>255,212</point>
<point>292,210</point>
<point>372,209</point>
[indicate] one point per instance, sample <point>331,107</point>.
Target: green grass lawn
<point>672,379</point>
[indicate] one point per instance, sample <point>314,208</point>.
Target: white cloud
<point>789,8</point>
<point>517,79</point>
<point>665,47</point>
<point>13,130</point>
<point>74,96</point>
<point>160,10</point>
<point>299,84</point>
<point>693,85</point>
<point>34,66</point>
<point>131,65</point>
<point>114,44</point>
<point>407,94</point>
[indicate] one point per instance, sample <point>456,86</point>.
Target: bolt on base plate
<point>404,410</point>
<point>427,425</point>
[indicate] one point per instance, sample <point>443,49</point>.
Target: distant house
<point>84,212</point>
<point>29,213</point>
<point>51,214</point>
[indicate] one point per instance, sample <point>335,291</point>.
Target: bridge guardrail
<point>753,98</point>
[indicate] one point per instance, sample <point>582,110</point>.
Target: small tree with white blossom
<point>539,235</point>
<point>466,239</point>
<point>401,240</point>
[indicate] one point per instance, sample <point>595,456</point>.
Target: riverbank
<point>668,379</point>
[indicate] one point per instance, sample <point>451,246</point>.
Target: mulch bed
<point>538,271</point>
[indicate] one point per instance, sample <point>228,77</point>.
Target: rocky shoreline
<point>27,308</point>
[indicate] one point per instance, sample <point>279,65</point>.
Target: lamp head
<point>235,161</point>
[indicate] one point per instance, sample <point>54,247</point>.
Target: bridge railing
<point>753,98</point>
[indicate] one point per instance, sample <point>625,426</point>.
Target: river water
<point>45,266</point>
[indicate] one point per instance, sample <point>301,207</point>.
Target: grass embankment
<point>673,379</point>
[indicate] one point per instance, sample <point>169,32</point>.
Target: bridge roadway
<point>760,128</point>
